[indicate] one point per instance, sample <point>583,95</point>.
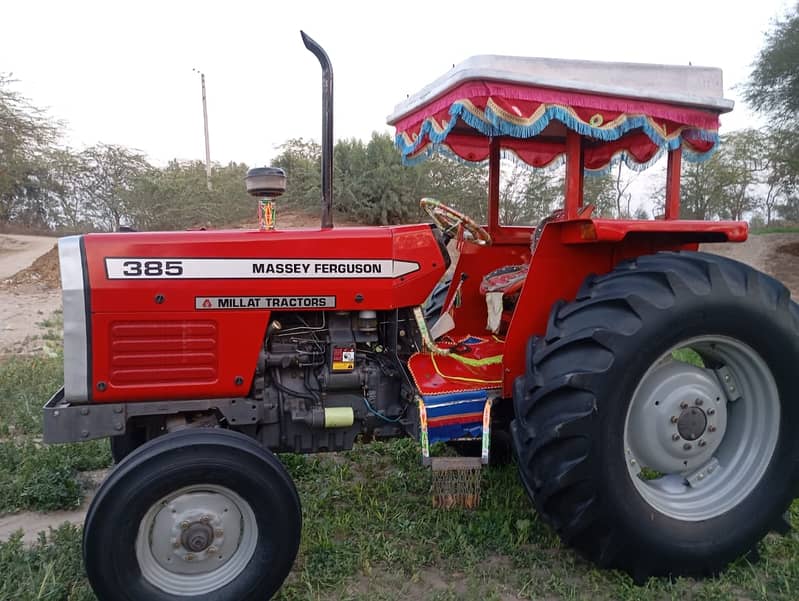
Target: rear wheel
<point>655,426</point>
<point>198,514</point>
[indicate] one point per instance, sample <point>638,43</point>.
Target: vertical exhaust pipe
<point>327,129</point>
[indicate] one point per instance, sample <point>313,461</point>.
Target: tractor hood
<point>196,296</point>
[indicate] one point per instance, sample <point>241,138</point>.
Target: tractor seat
<point>502,286</point>
<point>508,279</point>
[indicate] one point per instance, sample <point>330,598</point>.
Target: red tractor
<point>648,389</point>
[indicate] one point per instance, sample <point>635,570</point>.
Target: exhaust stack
<point>327,129</point>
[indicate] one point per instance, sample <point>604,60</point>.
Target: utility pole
<point>205,126</point>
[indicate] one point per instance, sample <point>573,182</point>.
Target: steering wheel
<point>449,220</point>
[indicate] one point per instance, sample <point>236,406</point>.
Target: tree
<point>461,185</point>
<point>27,135</point>
<point>389,192</point>
<point>781,171</point>
<point>301,161</point>
<point>621,188</point>
<point>740,168</point>
<point>773,85</point>
<point>701,189</point>
<point>600,191</point>
<point>773,89</point>
<point>111,172</point>
<point>177,197</point>
<point>528,196</point>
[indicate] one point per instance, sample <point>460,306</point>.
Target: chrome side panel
<point>76,333</point>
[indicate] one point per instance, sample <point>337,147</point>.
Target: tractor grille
<point>163,352</point>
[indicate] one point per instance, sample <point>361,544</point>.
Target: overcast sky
<point>121,72</point>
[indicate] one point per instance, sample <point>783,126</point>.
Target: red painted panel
<point>560,266</point>
<point>176,355</point>
<point>152,366</point>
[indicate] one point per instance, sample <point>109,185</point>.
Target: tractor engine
<point>326,377</point>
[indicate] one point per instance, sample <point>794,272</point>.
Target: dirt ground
<point>29,298</point>
<point>774,254</point>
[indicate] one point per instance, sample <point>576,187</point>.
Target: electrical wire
<point>376,413</point>
<point>290,391</point>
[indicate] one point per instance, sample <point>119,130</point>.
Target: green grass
<point>369,531</point>
<point>688,355</point>
<point>782,229</point>
<point>47,477</point>
<point>50,570</point>
<point>25,385</point>
<point>33,475</point>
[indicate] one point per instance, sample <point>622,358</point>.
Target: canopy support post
<point>574,174</point>
<point>493,184</point>
<point>673,184</point>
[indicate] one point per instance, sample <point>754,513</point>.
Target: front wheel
<point>198,514</point>
<point>655,425</point>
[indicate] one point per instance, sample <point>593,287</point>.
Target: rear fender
<point>568,252</point>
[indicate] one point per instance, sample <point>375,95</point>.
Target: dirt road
<point>23,307</point>
<point>767,253</point>
<point>17,252</point>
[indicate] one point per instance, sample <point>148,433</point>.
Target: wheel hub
<point>197,537</point>
<point>196,540</point>
<point>705,436</point>
<point>692,423</point>
<point>677,419</point>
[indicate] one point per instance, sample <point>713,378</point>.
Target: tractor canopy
<point>622,111</point>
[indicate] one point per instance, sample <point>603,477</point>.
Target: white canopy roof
<point>699,87</point>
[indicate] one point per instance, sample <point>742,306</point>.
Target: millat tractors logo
<point>265,302</point>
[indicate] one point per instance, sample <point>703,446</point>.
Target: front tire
<point>198,514</point>
<point>655,425</point>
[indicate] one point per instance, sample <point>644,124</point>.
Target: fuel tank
<point>176,315</point>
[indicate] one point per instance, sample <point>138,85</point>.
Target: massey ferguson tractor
<point>648,390</point>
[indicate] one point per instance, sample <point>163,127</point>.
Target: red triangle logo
<point>207,303</point>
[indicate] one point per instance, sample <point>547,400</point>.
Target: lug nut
<point>701,476</point>
<point>698,402</point>
<point>219,532</point>
<point>206,519</point>
<point>190,557</point>
<point>632,461</point>
<point>176,544</point>
<point>683,405</point>
<point>674,419</point>
<point>701,443</point>
<point>711,428</point>
<point>184,524</point>
<point>711,411</point>
<point>687,446</point>
<point>675,436</point>
<point>212,549</point>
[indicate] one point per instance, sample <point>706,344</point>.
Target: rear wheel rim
<point>196,540</point>
<point>698,439</point>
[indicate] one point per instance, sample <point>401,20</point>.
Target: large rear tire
<point>202,514</point>
<point>656,423</point>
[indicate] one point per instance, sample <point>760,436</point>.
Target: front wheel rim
<point>196,540</point>
<point>699,438</point>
